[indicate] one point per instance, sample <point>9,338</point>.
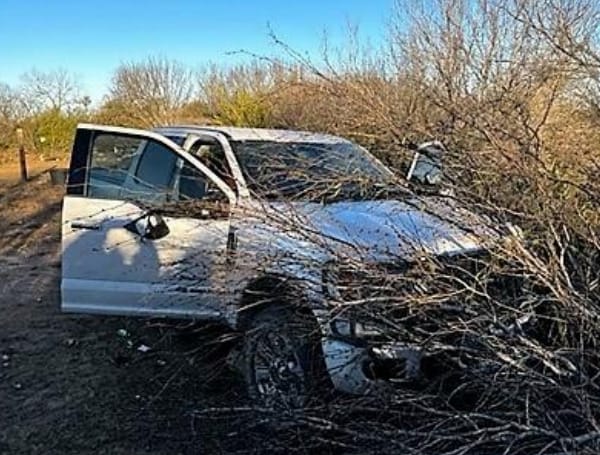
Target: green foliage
<point>242,108</point>
<point>52,131</point>
<point>115,112</point>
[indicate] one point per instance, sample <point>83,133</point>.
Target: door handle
<point>84,225</point>
<point>232,240</point>
<point>231,245</point>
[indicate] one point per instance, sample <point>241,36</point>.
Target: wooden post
<point>22,160</point>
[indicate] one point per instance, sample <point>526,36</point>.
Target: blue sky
<point>90,38</point>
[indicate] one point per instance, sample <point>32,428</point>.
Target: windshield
<point>309,171</point>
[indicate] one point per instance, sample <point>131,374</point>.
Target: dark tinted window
<point>157,165</point>
<point>192,184</point>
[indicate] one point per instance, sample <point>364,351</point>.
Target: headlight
<point>342,285</point>
<point>355,329</point>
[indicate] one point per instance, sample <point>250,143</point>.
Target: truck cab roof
<point>252,134</point>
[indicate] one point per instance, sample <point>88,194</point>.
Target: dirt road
<point>79,385</point>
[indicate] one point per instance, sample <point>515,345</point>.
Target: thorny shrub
<point>512,334</point>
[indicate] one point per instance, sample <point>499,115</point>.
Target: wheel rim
<point>279,376</point>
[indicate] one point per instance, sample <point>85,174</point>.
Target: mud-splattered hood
<point>380,229</point>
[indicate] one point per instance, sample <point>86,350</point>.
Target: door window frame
<point>193,134</point>
<point>82,153</point>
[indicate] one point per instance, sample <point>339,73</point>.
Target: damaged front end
<point>415,324</point>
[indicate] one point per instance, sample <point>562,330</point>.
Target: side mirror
<point>149,226</point>
<point>426,166</point>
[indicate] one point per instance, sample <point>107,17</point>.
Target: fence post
<point>22,160</point>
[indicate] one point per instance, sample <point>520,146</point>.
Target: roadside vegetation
<point>512,88</point>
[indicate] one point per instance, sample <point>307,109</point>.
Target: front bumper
<point>360,369</point>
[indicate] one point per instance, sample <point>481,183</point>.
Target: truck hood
<point>386,230</point>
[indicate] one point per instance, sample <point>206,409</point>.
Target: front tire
<point>282,358</point>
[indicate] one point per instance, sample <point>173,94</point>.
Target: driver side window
<point>135,168</point>
<point>156,166</point>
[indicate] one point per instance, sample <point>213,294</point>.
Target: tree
<point>11,111</point>
<point>9,104</point>
<point>51,90</point>
<point>152,91</point>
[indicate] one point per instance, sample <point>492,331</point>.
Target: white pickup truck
<point>244,226</point>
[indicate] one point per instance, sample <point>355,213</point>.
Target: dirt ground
<point>10,171</point>
<point>79,384</point>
